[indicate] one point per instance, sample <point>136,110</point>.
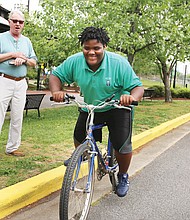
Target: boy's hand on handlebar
<point>126,100</point>
<point>58,96</point>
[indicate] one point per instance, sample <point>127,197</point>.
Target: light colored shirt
<point>114,76</point>
<point>9,44</point>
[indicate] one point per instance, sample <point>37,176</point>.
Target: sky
<point>9,4</point>
<point>181,67</point>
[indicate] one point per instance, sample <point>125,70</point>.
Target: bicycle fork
<point>75,181</point>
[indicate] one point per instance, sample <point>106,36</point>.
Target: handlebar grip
<point>51,99</point>
<point>134,103</point>
<point>66,98</point>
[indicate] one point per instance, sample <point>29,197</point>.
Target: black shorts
<point>119,122</point>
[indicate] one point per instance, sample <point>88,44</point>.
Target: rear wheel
<point>77,189</point>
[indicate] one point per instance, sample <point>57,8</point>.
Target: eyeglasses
<point>17,21</point>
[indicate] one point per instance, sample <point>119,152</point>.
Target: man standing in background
<point>16,53</point>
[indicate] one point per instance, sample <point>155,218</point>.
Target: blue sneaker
<point>123,184</point>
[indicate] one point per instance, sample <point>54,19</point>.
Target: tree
<point>171,37</point>
<point>134,26</point>
<point>53,32</point>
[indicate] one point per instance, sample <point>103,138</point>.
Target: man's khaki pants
<point>14,92</point>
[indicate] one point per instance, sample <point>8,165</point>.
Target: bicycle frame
<point>95,151</point>
<point>78,182</point>
<point>91,127</point>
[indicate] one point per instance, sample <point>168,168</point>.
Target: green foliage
<point>158,29</point>
<point>180,93</point>
<point>132,27</point>
<point>176,93</point>
<point>144,65</point>
<point>158,91</point>
<point>31,73</point>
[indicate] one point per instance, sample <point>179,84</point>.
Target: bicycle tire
<point>75,204</point>
<point>112,162</point>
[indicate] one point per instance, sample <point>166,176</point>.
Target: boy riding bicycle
<point>100,74</point>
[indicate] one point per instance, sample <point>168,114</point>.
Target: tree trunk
<point>131,58</point>
<point>168,95</point>
<point>165,79</point>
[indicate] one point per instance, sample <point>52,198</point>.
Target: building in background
<point>4,24</point>
<point>20,6</point>
<point>23,5</point>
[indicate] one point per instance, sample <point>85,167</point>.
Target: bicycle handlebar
<point>67,97</point>
<point>107,102</point>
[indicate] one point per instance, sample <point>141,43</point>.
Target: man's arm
<point>19,59</point>
<point>136,94</point>
<point>55,87</point>
<point>30,62</point>
<point>11,55</point>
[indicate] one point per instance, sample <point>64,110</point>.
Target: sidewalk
<point>31,190</point>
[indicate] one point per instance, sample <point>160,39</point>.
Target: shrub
<point>31,73</point>
<point>158,91</point>
<point>176,93</point>
<point>180,93</point>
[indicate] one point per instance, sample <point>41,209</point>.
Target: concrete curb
<point>146,136</point>
<point>31,190</point>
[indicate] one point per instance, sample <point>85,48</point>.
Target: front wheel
<point>78,185</point>
<point>112,163</point>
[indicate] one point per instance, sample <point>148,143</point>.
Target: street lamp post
<point>185,75</point>
<point>175,73</point>
<point>28,5</point>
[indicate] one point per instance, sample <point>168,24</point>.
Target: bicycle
<point>78,183</point>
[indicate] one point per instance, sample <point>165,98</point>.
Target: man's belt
<point>11,77</point>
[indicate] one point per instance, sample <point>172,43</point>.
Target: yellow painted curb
<point>29,191</point>
<point>33,189</point>
<point>146,136</point>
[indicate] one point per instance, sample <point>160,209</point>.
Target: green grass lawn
<point>148,83</point>
<point>47,140</point>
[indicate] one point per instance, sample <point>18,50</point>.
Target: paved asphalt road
<point>159,192</point>
<point>159,189</point>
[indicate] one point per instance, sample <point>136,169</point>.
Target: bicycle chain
<point>101,171</point>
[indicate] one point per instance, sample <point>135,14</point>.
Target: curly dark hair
<point>90,33</point>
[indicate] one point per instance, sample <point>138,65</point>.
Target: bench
<point>33,101</point>
<point>148,94</point>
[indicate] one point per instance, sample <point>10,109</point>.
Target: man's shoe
<point>123,184</point>
<point>16,153</point>
<point>66,162</point>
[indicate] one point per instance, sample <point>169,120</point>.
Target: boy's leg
<point>121,131</point>
<point>123,161</point>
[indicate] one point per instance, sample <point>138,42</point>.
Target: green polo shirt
<point>9,44</point>
<point>114,76</point>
